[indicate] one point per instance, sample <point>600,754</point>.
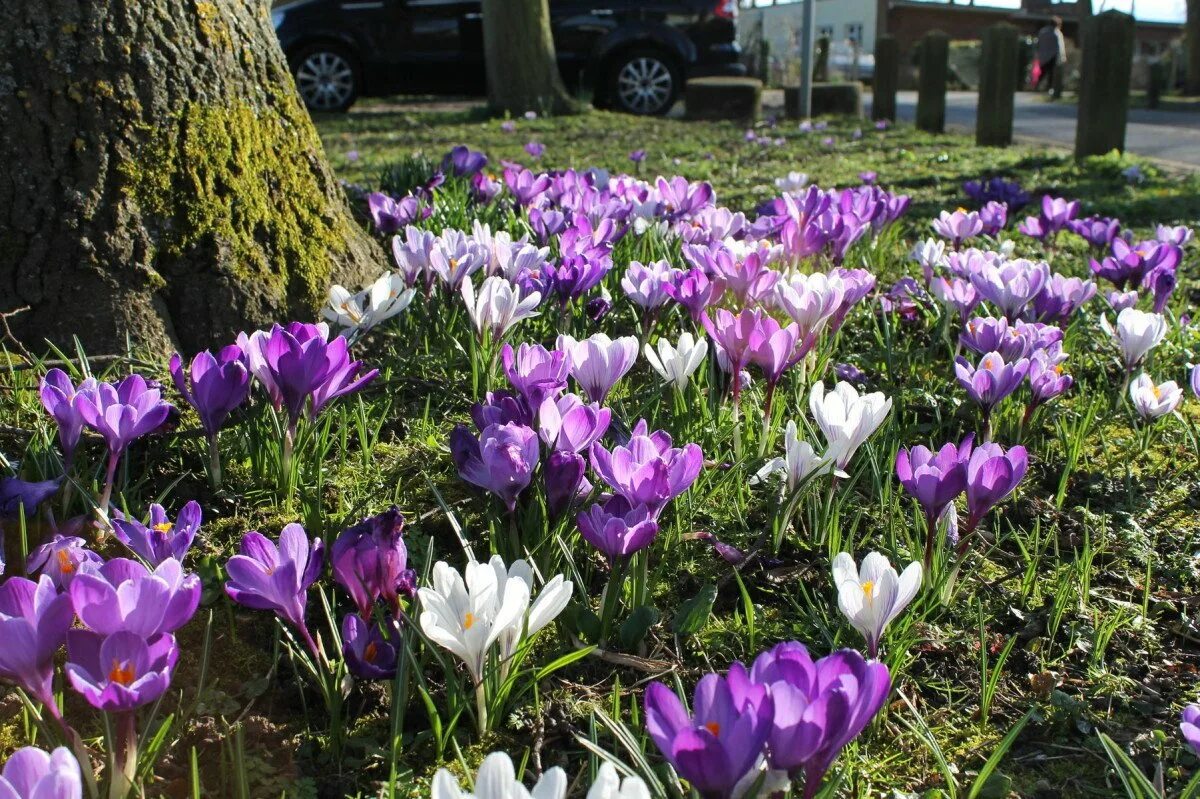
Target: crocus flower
<point>791,183</point>
<point>810,300</point>
<point>1137,332</point>
<point>57,394</point>
<point>1161,283</point>
<point>1097,231</point>
<point>162,538</point>
<point>34,619</point>
<point>31,773</point>
<point>609,785</point>
<point>565,481</point>
<point>722,740</point>
<point>858,284</point>
<point>645,284</point>
<point>957,293</point>
<point>535,372</point>
<point>694,291</point>
<point>675,364</point>
<point>501,407</point>
<point>648,470</point>
<point>1153,400</point>
<point>1046,379</point>
<point>1011,285</point>
<point>497,779</point>
<point>617,528</point>
<point>871,596</point>
<point>378,302</point>
<point>265,576</point>
<point>1178,235</point>
<point>819,706</point>
<point>16,494</point>
<point>61,558</point>
<point>463,162</point>
<point>930,255</point>
<point>992,474</point>
<point>122,671</point>
<point>500,460</point>
<point>389,214</point>
<point>598,362</point>
<point>1057,212</point>
<point>958,226</point>
<point>1189,727</point>
<point>370,560</point>
<point>994,216</point>
<point>568,424</point>
<point>369,654</point>
<point>1061,298</point>
<point>535,149</point>
<point>735,336</point>
<point>296,366</point>
<point>934,479</point>
<point>213,385</point>
<point>799,461</point>
<point>846,418</point>
<point>123,595</point>
<point>498,306</point>
<point>992,380</point>
<point>1120,300</point>
<point>1194,379</point>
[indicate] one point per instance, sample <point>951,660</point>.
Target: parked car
<point>635,55</point>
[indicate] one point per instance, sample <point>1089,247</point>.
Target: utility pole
<point>806,58</point>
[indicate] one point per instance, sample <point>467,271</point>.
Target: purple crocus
<point>992,380</point>
<point>34,619</point>
<point>61,558</point>
<point>500,460</point>
<point>1011,285</point>
<point>1061,298</point>
<point>57,394</point>
<point>213,385</point>
<point>637,156</point>
<point>934,479</point>
<point>1046,381</point>
<point>722,740</point>
<point>370,560</point>
<point>526,187</point>
<point>566,482</point>
<point>648,470</point>
<point>123,595</point>
<point>122,671</point>
<point>1098,231</point>
<point>617,528</point>
<point>819,706</point>
<point>121,413</point>
<point>31,773</point>
<point>992,474</point>
<point>694,291</point>
<point>161,538</point>
<point>369,654</point>
<point>598,362</point>
<point>958,226</point>
<point>567,424</point>
<point>535,149</point>
<point>1189,727</point>
<point>535,372</point>
<point>1058,212</point>
<point>463,162</point>
<point>389,215</point>
<point>994,216</point>
<point>1194,379</point>
<point>264,576</point>
<point>16,493</point>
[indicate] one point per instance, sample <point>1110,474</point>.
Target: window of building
<point>854,31</point>
<point>826,31</point>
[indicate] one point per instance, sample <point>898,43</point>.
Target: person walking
<point>1051,54</point>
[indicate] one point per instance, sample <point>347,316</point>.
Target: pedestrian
<point>1051,54</point>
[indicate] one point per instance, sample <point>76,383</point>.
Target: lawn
<point>1068,626</point>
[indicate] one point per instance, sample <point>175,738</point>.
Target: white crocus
<point>470,616</point>
<point>677,363</point>
<point>873,595</point>
<point>810,300</point>
<point>497,779</point>
<point>799,461</point>
<point>609,785</point>
<point>1152,401</point>
<point>847,418</point>
<point>498,305</point>
<point>792,182</point>
<point>1137,332</point>
<point>551,601</point>
<point>930,254</point>
<point>360,312</point>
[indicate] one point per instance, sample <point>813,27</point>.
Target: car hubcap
<point>325,81</point>
<point>644,85</point>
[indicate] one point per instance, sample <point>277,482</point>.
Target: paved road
<point>1167,135</point>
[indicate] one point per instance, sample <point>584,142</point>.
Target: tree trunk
<point>1084,7</point>
<point>518,48</point>
<point>1192,37</point>
<point>159,179</point>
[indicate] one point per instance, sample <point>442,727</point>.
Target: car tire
<point>327,77</point>
<point>646,82</point>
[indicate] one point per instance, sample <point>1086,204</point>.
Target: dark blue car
<point>633,54</point>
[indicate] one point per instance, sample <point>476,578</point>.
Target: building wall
<point>781,24</point>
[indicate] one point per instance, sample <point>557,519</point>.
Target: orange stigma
<point>121,673</point>
<point>713,727</point>
<point>468,621</point>
<point>371,652</point>
<point>64,562</point>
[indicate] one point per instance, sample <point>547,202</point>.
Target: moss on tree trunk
<point>162,182</point>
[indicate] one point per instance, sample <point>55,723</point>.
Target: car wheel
<point>645,82</point>
<point>327,78</point>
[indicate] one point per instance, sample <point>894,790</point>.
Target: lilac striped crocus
<point>645,284</point>
<point>57,394</point>
<point>1058,212</point>
<point>1061,298</point>
<point>161,538</point>
<point>123,595</point>
<point>958,226</point>
<point>819,706</point>
<point>994,216</point>
<point>31,773</point>
<point>1098,231</point>
<point>1011,285</point>
<point>991,381</point>
<point>34,619</point>
<point>617,528</point>
<point>120,672</point>
<point>934,479</point>
<point>648,470</point>
<point>501,460</point>
<point>568,424</point>
<point>1046,381</point>
<point>598,362</point>
<point>694,291</point>
<point>535,372</point>
<point>389,214</point>
<point>266,576</point>
<point>724,737</point>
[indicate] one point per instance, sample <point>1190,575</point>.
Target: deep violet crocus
<point>618,529</point>
<point>565,481</point>
<point>31,773</point>
<point>370,560</point>
<point>369,654</point>
<point>215,386</point>
<point>264,576</point>
<point>123,595</point>
<point>501,460</point>
<point>722,740</point>
<point>121,413</point>
<point>389,215</point>
<point>535,372</point>
<point>16,493</point>
<point>57,394</point>
<point>992,474</point>
<point>34,619</point>
<point>819,706</point>
<point>122,671</point>
<point>648,470</point>
<point>161,538</point>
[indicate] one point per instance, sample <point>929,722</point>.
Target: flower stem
<point>110,477</point>
<point>481,713</point>
<point>612,594</point>
<point>285,463</point>
<point>122,783</point>
<point>214,462</point>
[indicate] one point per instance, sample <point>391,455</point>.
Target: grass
<point>1076,618</point>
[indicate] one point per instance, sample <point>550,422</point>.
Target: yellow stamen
<point>868,588</point>
<point>469,621</point>
<point>163,527</point>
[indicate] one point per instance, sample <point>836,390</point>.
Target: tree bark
<point>1192,36</point>
<point>518,49</point>
<point>1084,7</point>
<point>160,182</point>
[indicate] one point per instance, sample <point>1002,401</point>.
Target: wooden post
<point>1104,84</point>
<point>997,86</point>
<point>887,78</point>
<point>931,83</point>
